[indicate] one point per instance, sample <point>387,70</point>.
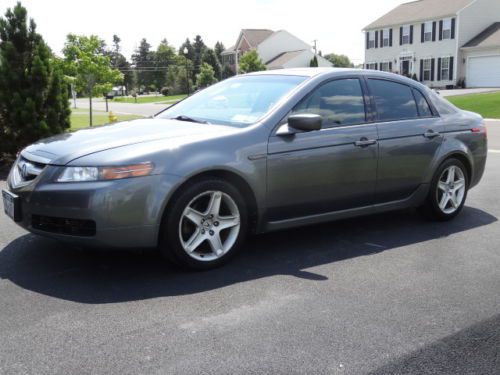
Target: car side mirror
<point>305,122</point>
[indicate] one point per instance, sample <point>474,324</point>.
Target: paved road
<point>145,109</point>
<point>388,294</point>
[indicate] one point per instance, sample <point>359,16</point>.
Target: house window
<point>427,69</point>
<point>371,66</point>
<point>371,39</point>
<point>447,28</point>
<point>406,35</point>
<point>385,67</point>
<point>445,68</point>
<point>386,37</point>
<point>428,32</point>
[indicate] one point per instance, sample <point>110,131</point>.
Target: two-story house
<point>277,49</point>
<point>443,43</point>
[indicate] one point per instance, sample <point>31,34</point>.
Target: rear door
<point>409,133</point>
<point>328,170</point>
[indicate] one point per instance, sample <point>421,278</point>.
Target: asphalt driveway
<point>387,294</point>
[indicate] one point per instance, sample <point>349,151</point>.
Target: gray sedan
<point>254,153</point>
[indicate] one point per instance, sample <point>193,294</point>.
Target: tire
<point>446,198</point>
<point>205,225</point>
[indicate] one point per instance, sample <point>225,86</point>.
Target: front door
<point>409,139</point>
<point>405,68</point>
<point>328,170</point>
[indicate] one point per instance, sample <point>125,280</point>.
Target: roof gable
<point>490,37</point>
<point>254,36</point>
<point>420,10</point>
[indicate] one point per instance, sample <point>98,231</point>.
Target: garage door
<point>484,71</point>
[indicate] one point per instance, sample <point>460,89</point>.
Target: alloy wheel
<point>451,189</point>
<point>209,226</point>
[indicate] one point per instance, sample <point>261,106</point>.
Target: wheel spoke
<point>216,244</point>
<point>196,240</point>
<point>459,184</point>
<point>454,200</point>
<point>214,204</point>
<point>226,222</point>
<point>442,185</point>
<point>451,175</point>
<point>195,216</point>
<point>444,202</point>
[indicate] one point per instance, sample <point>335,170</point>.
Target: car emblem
<point>24,170</point>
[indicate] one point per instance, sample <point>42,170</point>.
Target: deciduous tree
<point>251,62</point>
<point>206,76</point>
<point>85,60</point>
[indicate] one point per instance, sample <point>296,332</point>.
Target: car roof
<point>305,72</point>
<point>315,72</point>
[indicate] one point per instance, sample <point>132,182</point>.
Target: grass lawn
<point>80,118</point>
<point>487,105</point>
<point>149,99</point>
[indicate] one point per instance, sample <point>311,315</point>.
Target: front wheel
<point>205,225</point>
<point>448,191</point>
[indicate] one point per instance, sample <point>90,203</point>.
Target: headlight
<point>83,174</point>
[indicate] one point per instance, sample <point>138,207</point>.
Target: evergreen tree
<point>143,60</point>
<point>190,50</point>
<point>33,98</point>
<point>314,62</point>
<point>210,57</point>
<point>118,61</point>
<point>165,57</point>
<point>199,48</point>
<point>219,48</point>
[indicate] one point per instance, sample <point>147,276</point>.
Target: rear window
<point>443,106</point>
<point>394,101</point>
<point>423,107</point>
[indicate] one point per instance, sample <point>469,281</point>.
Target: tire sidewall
<point>433,200</point>
<point>170,244</point>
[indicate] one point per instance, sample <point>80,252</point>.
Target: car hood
<point>63,148</point>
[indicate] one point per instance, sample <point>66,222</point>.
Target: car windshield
<point>239,101</point>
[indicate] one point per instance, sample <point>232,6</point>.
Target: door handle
<point>430,134</point>
<point>365,142</point>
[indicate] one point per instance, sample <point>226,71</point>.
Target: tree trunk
<point>90,109</point>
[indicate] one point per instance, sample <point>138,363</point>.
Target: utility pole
<point>236,66</point>
<point>315,46</point>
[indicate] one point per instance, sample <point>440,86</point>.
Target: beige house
<point>443,43</point>
<point>277,49</point>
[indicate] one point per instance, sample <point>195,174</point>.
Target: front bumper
<point>126,213</point>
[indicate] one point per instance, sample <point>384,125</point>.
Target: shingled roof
<point>256,36</point>
<point>488,38</point>
<point>421,10</point>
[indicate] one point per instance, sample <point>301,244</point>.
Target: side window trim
<point>433,113</point>
<point>366,103</point>
<point>374,104</point>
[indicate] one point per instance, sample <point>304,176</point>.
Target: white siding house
<point>277,49</point>
<point>438,42</point>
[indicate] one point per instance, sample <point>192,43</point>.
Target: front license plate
<point>11,205</point>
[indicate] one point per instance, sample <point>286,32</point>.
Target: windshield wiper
<point>189,119</point>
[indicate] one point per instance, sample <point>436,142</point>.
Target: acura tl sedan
<point>251,154</point>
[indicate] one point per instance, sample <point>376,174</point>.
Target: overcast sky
<point>335,24</point>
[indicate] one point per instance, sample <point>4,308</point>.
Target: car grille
<point>72,227</point>
<point>25,171</point>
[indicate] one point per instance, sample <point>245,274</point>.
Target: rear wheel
<point>448,191</point>
<point>205,225</point>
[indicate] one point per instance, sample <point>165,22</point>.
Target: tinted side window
<point>423,107</point>
<point>339,102</point>
<point>394,101</point>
